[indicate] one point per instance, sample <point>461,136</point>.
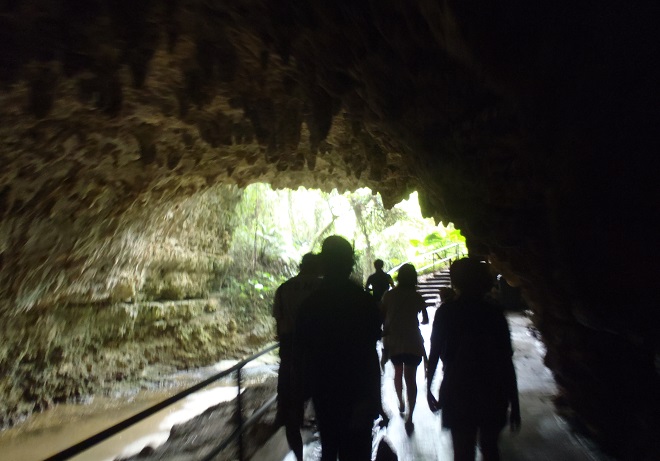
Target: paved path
<point>544,435</point>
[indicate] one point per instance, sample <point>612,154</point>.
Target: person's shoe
<point>402,408</point>
<point>410,427</point>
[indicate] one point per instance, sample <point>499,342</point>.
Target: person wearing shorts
<point>401,336</point>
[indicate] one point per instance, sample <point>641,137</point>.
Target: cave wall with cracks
<point>532,127</point>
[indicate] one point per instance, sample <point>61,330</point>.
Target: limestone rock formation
<point>531,126</point>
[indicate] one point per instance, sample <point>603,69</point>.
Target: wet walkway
<point>544,434</point>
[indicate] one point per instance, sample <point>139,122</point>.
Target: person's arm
<point>390,281</point>
<point>425,316</point>
<point>382,309</point>
<point>376,320</point>
<point>277,311</point>
<point>434,354</point>
<point>431,367</point>
<point>369,285</point>
<point>433,359</point>
<point>426,365</point>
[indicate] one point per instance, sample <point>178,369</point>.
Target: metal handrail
<point>109,432</point>
<point>459,252</point>
<point>239,430</point>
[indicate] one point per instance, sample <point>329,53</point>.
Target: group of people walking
<point>329,328</point>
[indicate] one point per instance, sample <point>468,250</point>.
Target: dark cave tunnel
<point>532,127</point>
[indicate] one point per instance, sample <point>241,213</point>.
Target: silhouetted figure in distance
<point>336,334</point>
<point>471,336</point>
<point>510,297</point>
<point>379,282</point>
<point>288,299</point>
<point>402,338</point>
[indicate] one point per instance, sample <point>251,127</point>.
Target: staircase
<point>429,287</point>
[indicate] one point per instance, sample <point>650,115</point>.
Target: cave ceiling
<point>499,115</point>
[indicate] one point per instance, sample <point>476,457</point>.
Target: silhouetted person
<point>510,297</point>
<point>402,338</point>
<point>288,299</point>
<point>379,282</point>
<point>446,294</point>
<point>336,334</point>
<point>471,337</point>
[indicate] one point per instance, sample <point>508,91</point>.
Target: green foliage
<point>250,298</point>
<point>434,239</point>
<point>274,228</point>
<point>438,239</point>
<point>437,248</point>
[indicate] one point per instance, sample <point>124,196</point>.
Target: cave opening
<point>188,282</point>
<point>184,283</point>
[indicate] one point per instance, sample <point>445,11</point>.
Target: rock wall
<point>161,246</point>
<point>530,126</point>
<point>129,307</point>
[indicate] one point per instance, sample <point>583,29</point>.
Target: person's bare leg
<point>398,386</point>
<point>384,357</point>
<point>410,375</point>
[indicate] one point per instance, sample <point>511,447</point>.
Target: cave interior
<point>531,126</point>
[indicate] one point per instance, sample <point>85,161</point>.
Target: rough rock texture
<point>101,309</point>
<point>531,126</point>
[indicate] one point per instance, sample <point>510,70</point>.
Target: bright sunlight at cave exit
<point>296,221</point>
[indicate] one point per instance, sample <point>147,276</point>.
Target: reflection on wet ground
<point>544,435</point>
<point>64,425</point>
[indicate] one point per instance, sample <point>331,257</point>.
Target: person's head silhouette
<point>337,257</point>
<point>309,265</point>
<point>407,276</point>
<point>378,264</point>
<point>470,278</point>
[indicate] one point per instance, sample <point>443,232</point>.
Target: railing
<point>237,434</point>
<point>438,257</point>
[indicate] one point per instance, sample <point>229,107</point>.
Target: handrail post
<point>122,425</point>
<point>239,414</point>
